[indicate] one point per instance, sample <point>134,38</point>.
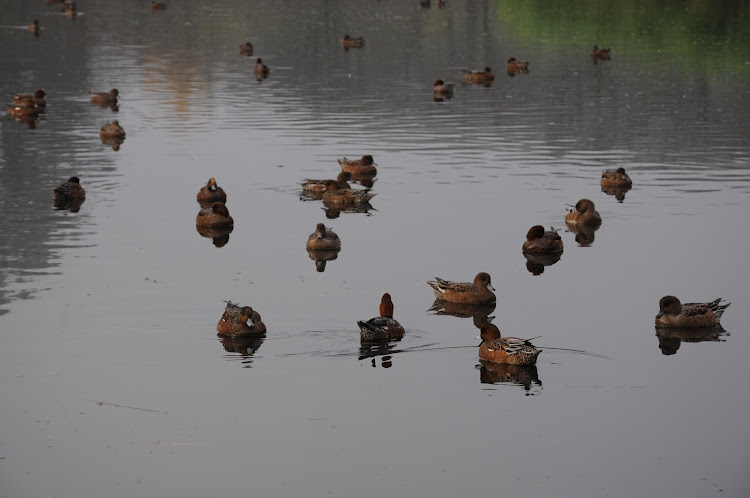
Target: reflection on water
<point>245,347</point>
<point>479,313</point>
<point>525,376</point>
<point>670,339</point>
<point>671,107</point>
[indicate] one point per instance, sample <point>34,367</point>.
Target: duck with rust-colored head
<point>672,313</point>
<point>541,241</point>
<point>383,327</point>
<point>352,42</point>
<point>364,167</point>
<point>105,98</point>
<point>484,77</point>
<point>583,213</point>
<point>508,350</point>
<point>478,292</point>
<point>216,215</point>
<point>441,89</point>
<point>112,130</point>
<point>211,193</point>
<point>615,178</point>
<point>323,239</point>
<point>344,197</point>
<point>234,322</point>
<point>317,187</point>
<point>158,6</point>
<point>246,49</point>
<point>600,54</point>
<point>514,66</point>
<point>261,71</point>
<point>29,100</point>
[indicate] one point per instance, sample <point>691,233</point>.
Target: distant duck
<point>216,215</point>
<point>211,192</point>
<point>365,166</point>
<point>112,130</point>
<point>541,241</point>
<point>337,197</point>
<point>583,213</point>
<point>315,187</point>
<point>158,6</point>
<point>672,313</point>
<point>615,178</point>
<point>478,292</point>
<point>352,42</point>
<point>246,49</point>
<point>509,350</point>
<point>323,239</point>
<point>600,54</point>
<point>383,327</point>
<point>260,70</point>
<point>515,66</point>
<point>105,98</point>
<point>442,90</point>
<point>34,27</point>
<point>424,4</point>
<point>71,11</point>
<point>69,191</point>
<point>483,77</point>
<point>234,322</point>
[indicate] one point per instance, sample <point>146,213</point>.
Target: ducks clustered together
<point>542,247</point>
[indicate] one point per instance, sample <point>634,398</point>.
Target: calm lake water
<point>113,382</point>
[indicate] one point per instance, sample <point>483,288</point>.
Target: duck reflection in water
<point>114,142</point>
<point>670,339</point>
<point>244,346</point>
<point>479,313</point>
<point>323,245</point>
<point>525,376</point>
<point>219,235</point>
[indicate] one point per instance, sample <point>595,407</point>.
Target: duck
<point>34,27</point>
<point>71,11</point>
<point>441,89</point>
<point>323,239</point>
<point>336,196</point>
<point>583,213</point>
<point>541,241</point>
<point>478,292</point>
<point>234,322</point>
<point>383,327</point>
<point>672,313</point>
<point>516,66</point>
<point>600,54</point>
<point>29,100</point>
<point>260,70</point>
<point>318,186</point>
<point>69,191</point>
<point>22,112</point>
<point>365,166</point>
<point>508,350</point>
<point>158,6</point>
<point>105,98</point>
<point>217,215</point>
<point>246,49</point>
<point>352,42</point>
<point>615,178</point>
<point>483,77</point>
<point>64,5</point>
<point>112,130</point>
<point>211,192</point>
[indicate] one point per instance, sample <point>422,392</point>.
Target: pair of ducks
<point>27,105</point>
<point>214,212</point>
<point>338,192</point>
<point>584,212</point>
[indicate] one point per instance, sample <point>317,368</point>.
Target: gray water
<point>113,382</point>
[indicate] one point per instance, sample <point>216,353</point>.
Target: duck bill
<point>489,286</point>
<point>659,314</point>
